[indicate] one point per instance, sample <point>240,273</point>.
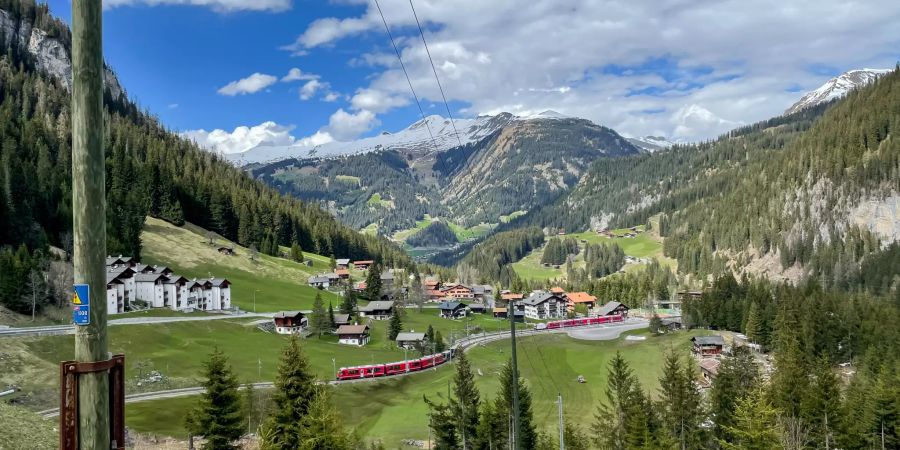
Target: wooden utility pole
<point>89,214</point>
<point>562,432</point>
<point>514,435</point>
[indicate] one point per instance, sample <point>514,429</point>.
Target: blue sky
<point>679,68</point>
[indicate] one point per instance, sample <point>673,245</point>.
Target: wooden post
<point>89,216</point>
<point>514,435</point>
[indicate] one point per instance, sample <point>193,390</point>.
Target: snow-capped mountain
<point>415,138</point>
<point>837,87</point>
<point>650,144</point>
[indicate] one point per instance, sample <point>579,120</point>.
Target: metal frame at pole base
<point>89,219</point>
<point>69,374</point>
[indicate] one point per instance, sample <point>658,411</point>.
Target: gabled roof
<point>710,365</point>
<point>377,306</point>
<point>709,340</point>
<point>581,297</point>
<point>536,298</point>
<point>317,279</point>
<point>219,281</point>
<point>367,261</point>
<point>284,314</point>
<point>342,261</point>
<point>353,329</point>
<point>341,319</point>
<point>161,269</point>
<point>410,337</point>
<point>173,278</point>
<point>498,309</point>
<point>148,277</point>
<point>609,307</point>
<point>451,305</point>
<point>448,287</point>
<point>512,296</point>
<point>557,290</point>
<point>342,271</point>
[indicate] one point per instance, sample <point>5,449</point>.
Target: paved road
<point>601,332</point>
<point>52,330</point>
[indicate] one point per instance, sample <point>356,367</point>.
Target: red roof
<point>581,297</point>
<point>557,290</point>
<point>512,296</point>
<point>369,262</point>
<point>342,272</point>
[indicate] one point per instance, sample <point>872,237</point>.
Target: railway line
<point>463,344</point>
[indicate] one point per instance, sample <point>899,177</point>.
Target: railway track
<point>463,344</point>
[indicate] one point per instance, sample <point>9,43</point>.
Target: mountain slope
<point>808,194</point>
<point>522,163</point>
<point>837,87</point>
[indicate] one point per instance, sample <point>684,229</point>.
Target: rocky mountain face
<point>650,144</point>
<point>51,54</point>
<point>837,87</point>
<point>506,164</point>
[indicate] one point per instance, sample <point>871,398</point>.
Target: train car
<point>395,368</point>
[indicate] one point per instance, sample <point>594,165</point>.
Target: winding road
<point>594,333</point>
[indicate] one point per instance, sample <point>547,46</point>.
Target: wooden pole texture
<point>89,215</point>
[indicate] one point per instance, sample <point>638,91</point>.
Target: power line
<point>402,66</point>
<point>428,52</point>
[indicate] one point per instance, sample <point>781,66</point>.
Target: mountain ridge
<point>837,87</point>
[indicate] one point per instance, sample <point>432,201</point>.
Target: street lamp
<point>334,368</point>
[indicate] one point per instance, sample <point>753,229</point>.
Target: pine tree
<point>395,327</point>
<point>296,252</point>
<point>439,344</point>
<point>492,426</point>
<point>218,415</point>
<point>655,324</point>
<point>373,282</point>
<point>754,327</point>
<point>443,428</point>
<point>295,390</point>
<point>680,403</point>
<point>755,425</point>
<point>738,375</point>
<point>527,438</point>
<point>621,420</point>
<point>318,321</point>
<point>332,324</point>
<point>821,405</point>
<point>348,304</point>
<point>466,400</point>
<point>321,428</point>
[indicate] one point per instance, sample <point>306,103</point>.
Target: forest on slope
<point>149,171</point>
<point>781,192</point>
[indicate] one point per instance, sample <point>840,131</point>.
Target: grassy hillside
<point>279,284</point>
<point>646,244</point>
<point>393,409</point>
<point>24,429</point>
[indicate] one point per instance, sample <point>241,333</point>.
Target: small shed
<point>410,340</point>
<point>708,346</point>
<point>353,334</point>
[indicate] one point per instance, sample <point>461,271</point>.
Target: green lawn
<point>393,409</point>
<point>279,284</point>
<point>462,234</point>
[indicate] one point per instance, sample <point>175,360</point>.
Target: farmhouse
<point>319,281</point>
<point>378,310</point>
<point>709,368</point>
<point>581,298</point>
<point>387,279</point>
<point>544,305</point>
<point>480,291</point>
<point>228,251</point>
<point>128,282</point>
<point>343,274</point>
<point>672,323</point>
<point>410,340</point>
<point>500,313</point>
<point>458,291</point>
<point>289,322</point>
<point>708,346</point>
<point>613,309</point>
<point>511,296</point>
<point>476,307</point>
<point>452,310</point>
<point>362,265</point>
<point>353,334</point>
<point>342,263</point>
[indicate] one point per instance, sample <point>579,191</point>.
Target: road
<point>600,332</point>
<point>52,330</point>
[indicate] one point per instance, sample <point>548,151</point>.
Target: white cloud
<point>331,96</point>
<point>222,6</point>
<point>242,138</point>
<point>377,101</point>
<point>173,105</point>
<point>252,84</point>
<point>646,66</point>
<point>310,88</point>
<point>346,126</point>
<point>296,74</point>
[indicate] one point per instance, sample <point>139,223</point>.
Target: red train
<point>415,365</point>
<point>394,368</point>
<point>585,321</point>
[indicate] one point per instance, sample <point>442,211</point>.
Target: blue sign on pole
<point>81,305</point>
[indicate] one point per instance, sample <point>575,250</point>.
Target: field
<point>279,284</point>
<point>462,234</point>
<point>644,245</point>
<point>393,409</point>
